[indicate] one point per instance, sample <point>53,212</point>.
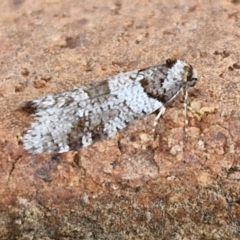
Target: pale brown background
<point>130,186</point>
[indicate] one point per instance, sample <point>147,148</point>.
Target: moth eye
<point>189,74</point>
<point>189,77</point>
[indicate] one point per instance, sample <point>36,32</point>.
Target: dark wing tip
<point>170,62</point>
<point>28,106</point>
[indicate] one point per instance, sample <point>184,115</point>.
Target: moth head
<point>190,76</point>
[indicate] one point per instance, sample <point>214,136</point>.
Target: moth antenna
<point>185,113</point>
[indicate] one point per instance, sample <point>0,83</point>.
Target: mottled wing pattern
<point>76,118</point>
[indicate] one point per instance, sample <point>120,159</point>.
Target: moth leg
<point>160,113</point>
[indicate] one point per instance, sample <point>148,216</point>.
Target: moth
<point>76,118</point>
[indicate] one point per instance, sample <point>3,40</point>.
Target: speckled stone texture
<point>133,185</point>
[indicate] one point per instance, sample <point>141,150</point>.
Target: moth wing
<point>79,117</point>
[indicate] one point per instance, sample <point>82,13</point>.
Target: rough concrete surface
<point>132,185</point>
